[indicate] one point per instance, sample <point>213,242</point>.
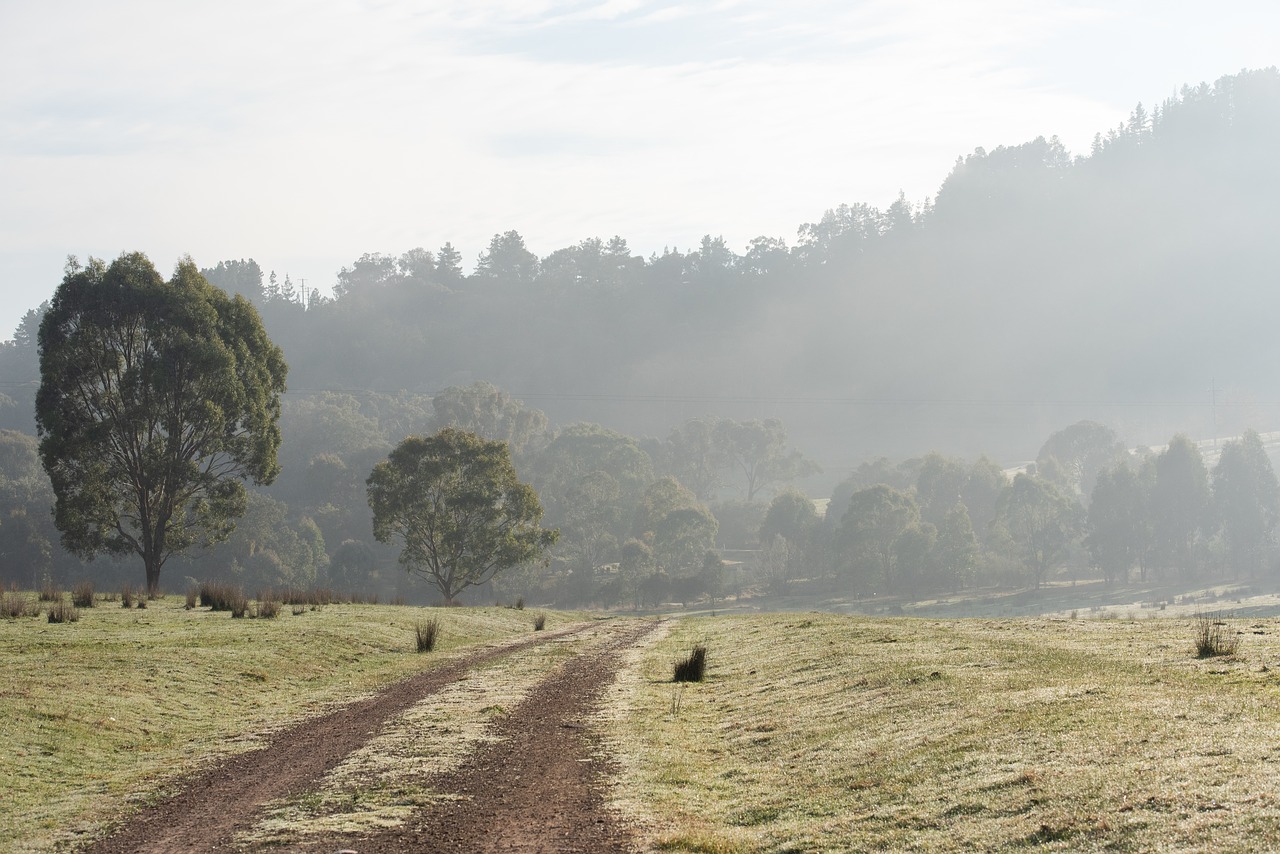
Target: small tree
<point>454,501</point>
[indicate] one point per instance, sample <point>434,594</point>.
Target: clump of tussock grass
<point>520,603</point>
<point>63,612</point>
<point>50,592</point>
<point>127,596</point>
<point>268,608</point>
<point>426,632</point>
<point>82,594</point>
<point>298,610</point>
<point>193,597</point>
<point>539,622</point>
<point>14,605</point>
<point>693,667</point>
<point>223,597</point>
<point>1214,637</point>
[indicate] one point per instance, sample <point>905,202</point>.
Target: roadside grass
<point>382,783</point>
<point>817,732</point>
<point>105,713</point>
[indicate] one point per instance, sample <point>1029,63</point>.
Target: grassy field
<point>816,732</point>
<point>104,712</point>
<point>813,732</point>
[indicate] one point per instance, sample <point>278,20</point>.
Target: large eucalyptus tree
<point>157,401</point>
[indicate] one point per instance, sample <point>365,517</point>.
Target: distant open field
<point>812,732</point>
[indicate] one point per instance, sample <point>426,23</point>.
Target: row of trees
<point>1088,508</point>
<point>160,399</point>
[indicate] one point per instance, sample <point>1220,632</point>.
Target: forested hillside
<point>658,404</point>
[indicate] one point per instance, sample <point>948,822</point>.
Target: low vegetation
<point>63,612</point>
<point>817,732</point>
<point>1215,637</point>
<point>161,692</point>
<point>692,667</point>
<point>426,632</point>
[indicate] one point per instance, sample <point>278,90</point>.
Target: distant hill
<point>1037,288</point>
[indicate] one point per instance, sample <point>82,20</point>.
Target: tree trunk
<point>153,576</point>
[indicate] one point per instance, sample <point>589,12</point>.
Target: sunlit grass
<point>101,713</point>
<point>824,733</point>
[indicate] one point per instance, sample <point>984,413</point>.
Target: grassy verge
<point>825,733</point>
<point>105,712</point>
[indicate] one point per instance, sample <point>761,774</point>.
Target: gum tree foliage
<point>1247,496</point>
<point>873,522</point>
<point>455,503</point>
<point>485,409</point>
<point>1181,506</point>
<point>1119,522</point>
<point>757,450</point>
<point>157,401</point>
<point>1080,451</point>
<point>1041,523</point>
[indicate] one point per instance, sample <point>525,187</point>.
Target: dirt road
<point>534,786</point>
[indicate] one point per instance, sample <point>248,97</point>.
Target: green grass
<point>102,713</point>
<point>827,733</point>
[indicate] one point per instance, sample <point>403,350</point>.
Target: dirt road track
<point>535,789</point>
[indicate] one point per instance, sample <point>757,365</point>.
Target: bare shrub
<point>539,622</point>
<point>520,603</point>
<point>142,603</point>
<point>63,612</point>
<point>693,667</point>
<point>237,603</point>
<point>193,596</point>
<point>426,632</point>
<point>127,595</point>
<point>1214,637</point>
<point>50,592</point>
<point>268,608</point>
<point>82,595</point>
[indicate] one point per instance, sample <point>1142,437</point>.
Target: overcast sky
<point>304,134</point>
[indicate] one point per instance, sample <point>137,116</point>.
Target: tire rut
<point>538,787</point>
<point>212,806</point>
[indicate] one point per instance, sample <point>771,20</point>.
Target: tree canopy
<point>157,401</point>
<point>455,503</point>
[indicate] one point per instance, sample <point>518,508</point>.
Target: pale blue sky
<point>304,134</point>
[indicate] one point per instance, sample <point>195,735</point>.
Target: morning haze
<point>683,428</point>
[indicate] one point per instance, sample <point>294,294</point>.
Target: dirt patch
<point>211,807</point>
<point>539,786</point>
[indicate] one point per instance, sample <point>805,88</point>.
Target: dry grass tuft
<point>426,632</point>
<point>1214,637</point>
<point>63,612</point>
<point>14,605</point>
<point>82,594</point>
<point>693,667</point>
